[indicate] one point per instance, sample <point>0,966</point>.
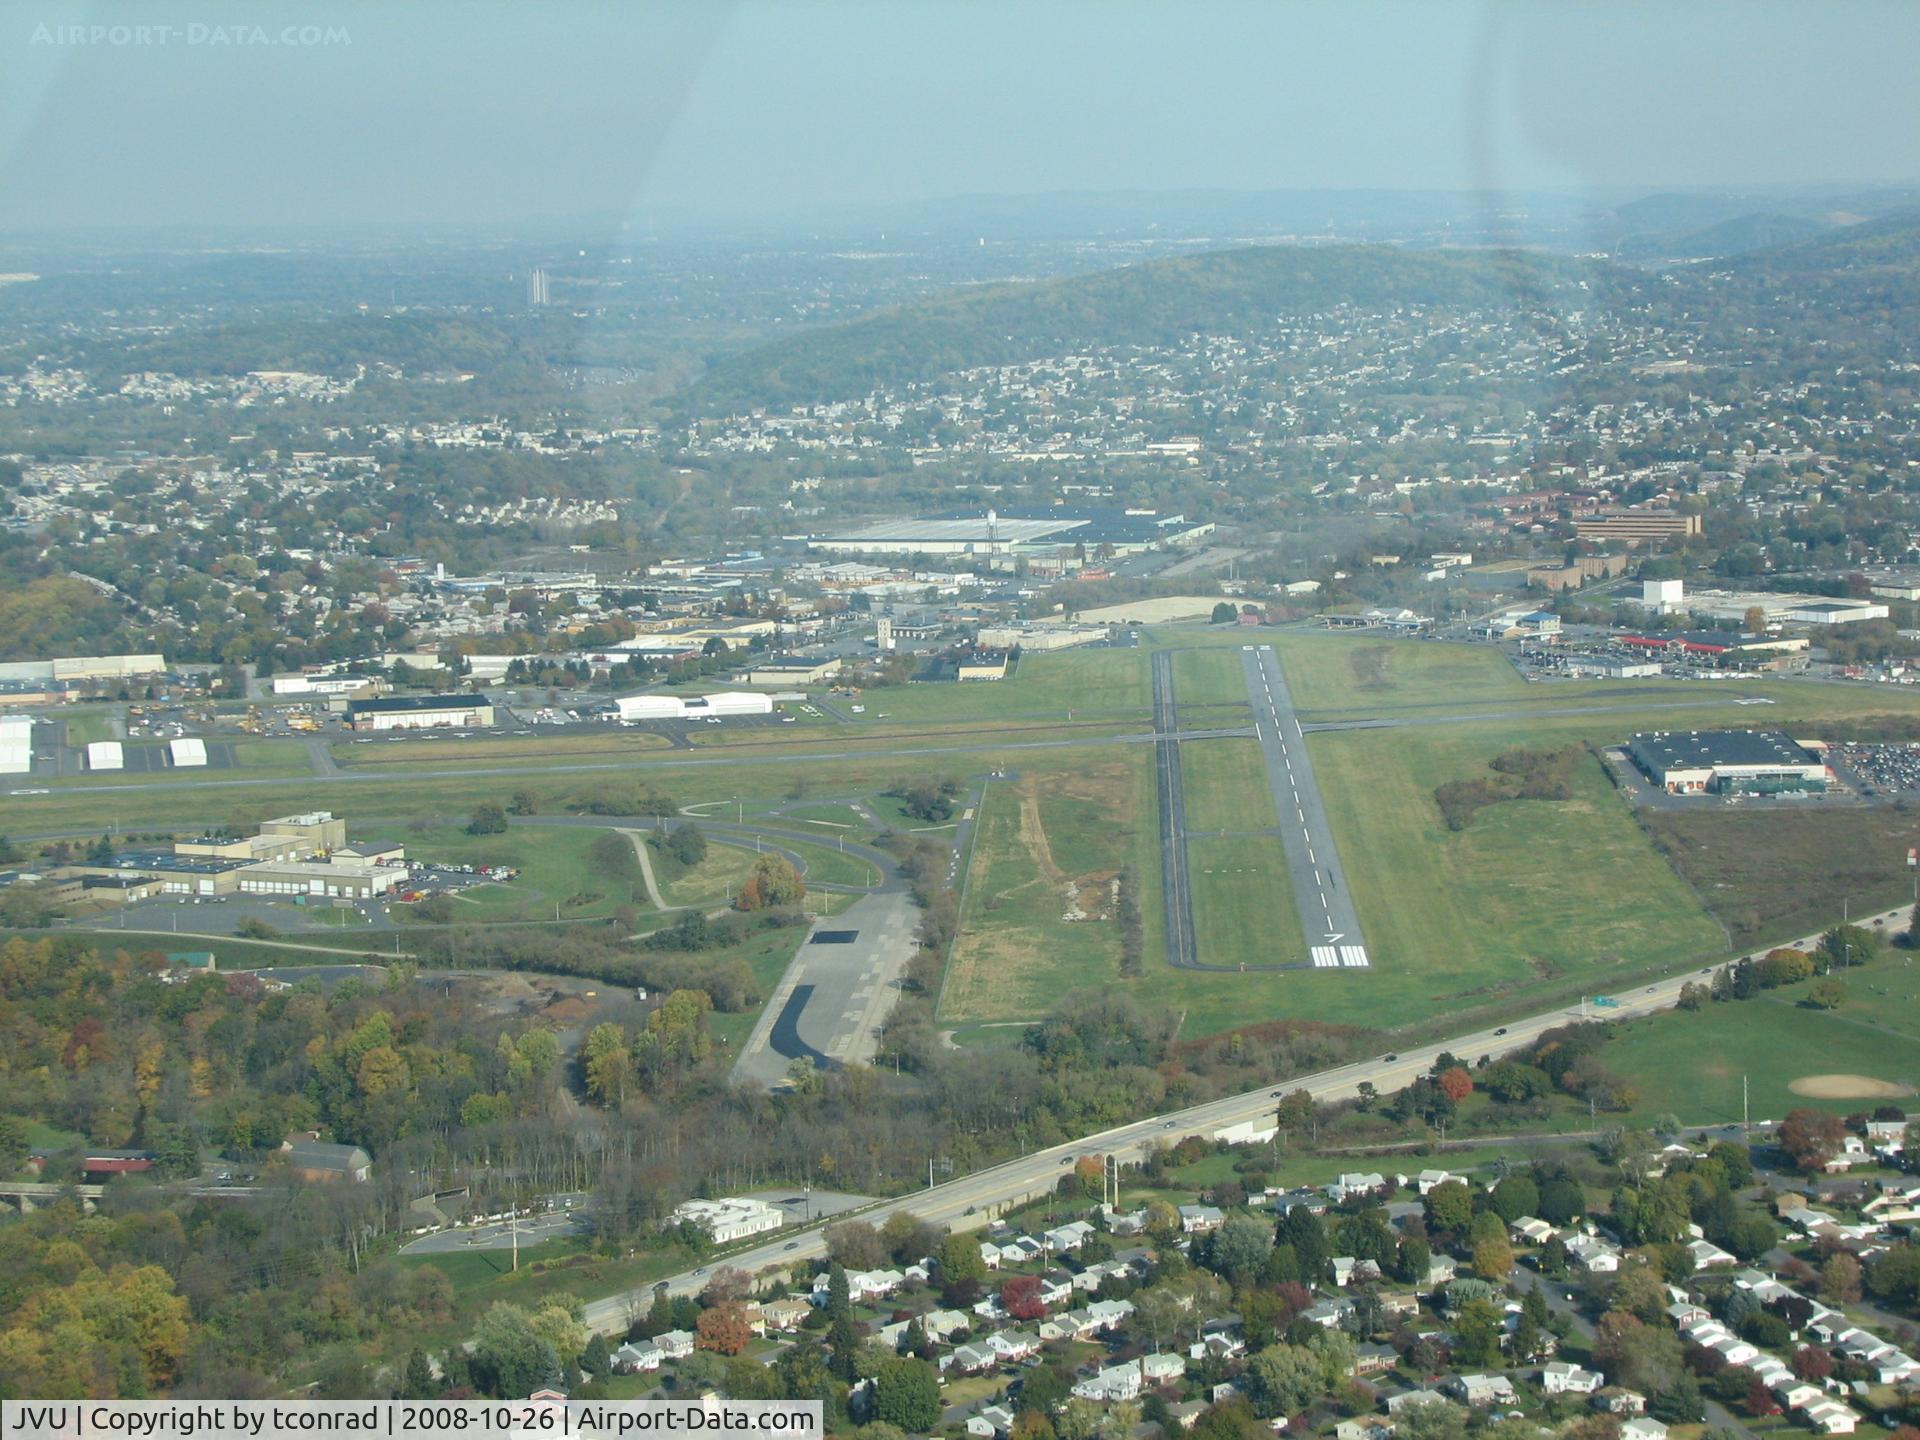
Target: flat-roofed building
<point>1636,527</point>
<point>1740,762</point>
<point>421,712</point>
<point>349,880</point>
<point>321,829</point>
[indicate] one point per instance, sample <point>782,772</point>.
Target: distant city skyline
<point>158,114</point>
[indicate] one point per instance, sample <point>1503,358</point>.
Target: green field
<point>1691,1063</point>
<point>1243,908</point>
<point>714,881</point>
<point>1049,686</point>
<point>767,954</point>
<point>555,868</point>
<point>1531,891</point>
<point>1041,846</point>
<point>828,865</point>
<point>1226,785</point>
<point>1380,676</point>
<point>1209,677</point>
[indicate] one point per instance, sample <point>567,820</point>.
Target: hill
<point>1230,291</point>
<point>1735,236</point>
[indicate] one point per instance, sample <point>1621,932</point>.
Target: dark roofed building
<point>1694,762</point>
<point>421,712</point>
<point>310,1158</point>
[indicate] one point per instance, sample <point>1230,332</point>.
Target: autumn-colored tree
<point>1020,1295</point>
<point>1455,1083</point>
<point>1811,1138</point>
<point>773,881</point>
<point>1091,1172</point>
<point>1811,1364</point>
<point>1493,1260</point>
<point>1760,1402</point>
<point>727,1283</point>
<point>607,1060</point>
<point>723,1329</point>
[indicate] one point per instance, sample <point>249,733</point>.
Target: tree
<point>959,1259</point>
<point>723,1329</point>
<point>488,819</point>
<point>509,1359</point>
<point>856,1245</point>
<point>1848,945</point>
<point>772,882</point>
<point>1449,1207</point>
<point>1241,1246</point>
<point>1224,614</point>
<point>1493,1260</point>
<point>416,1378</point>
<point>1828,993</point>
<point>1455,1083</point>
<point>906,1393</point>
<point>607,1062</point>
<point>1282,1380</point>
<point>523,802</point>
<point>1515,1196</point>
<point>595,1359</point>
<point>1840,1279</point>
<point>1020,1295</point>
<point>1811,1138</point>
<point>1476,1333</point>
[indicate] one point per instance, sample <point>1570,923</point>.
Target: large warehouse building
<point>1727,762</point>
<point>697,707</point>
<point>1022,530</point>
<point>421,712</point>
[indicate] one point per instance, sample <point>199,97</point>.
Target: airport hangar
<point>421,712</point>
<point>1727,762</point>
<point>1023,530</point>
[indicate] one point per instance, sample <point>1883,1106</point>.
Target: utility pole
<point>1746,1128</point>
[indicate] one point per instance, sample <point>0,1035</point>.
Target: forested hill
<point>1152,302</point>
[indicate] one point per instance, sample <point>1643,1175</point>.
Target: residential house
<point>1115,1382</point>
<point>674,1344</point>
<point>1480,1391</point>
<point>1592,1254</point>
<point>969,1359</point>
<point>1374,1359</point>
<point>1071,1236</point>
<point>1356,1184</point>
<point>1349,1271</point>
<point>1397,1403</point>
<point>1531,1230</point>
<point>1642,1427</point>
<point>1426,1180</point>
<point>1684,1313</point>
<point>1364,1427</point>
<point>638,1357</point>
<point>1618,1400</point>
<point>1830,1417</point>
<point>1563,1377</point>
<point>1162,1369</point>
<point>786,1313</point>
<point>1709,1256</point>
<point>993,1423</point>
<point>1197,1218</point>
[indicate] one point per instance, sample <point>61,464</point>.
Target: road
<point>1320,889</point>
<point>970,1201</point>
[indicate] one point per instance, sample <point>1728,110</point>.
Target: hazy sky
<point>417,110</point>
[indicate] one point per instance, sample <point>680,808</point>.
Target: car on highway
<point>1389,1059</point>
<point>1501,1031</point>
<point>791,1245</point>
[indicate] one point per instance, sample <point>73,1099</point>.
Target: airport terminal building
<point>1727,762</point>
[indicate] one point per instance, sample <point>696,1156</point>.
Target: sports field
<point>1690,1063</point>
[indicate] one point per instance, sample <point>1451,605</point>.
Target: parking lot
<point>1878,771</point>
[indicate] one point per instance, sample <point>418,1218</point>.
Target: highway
<point>1320,889</point>
<point>970,1201</point>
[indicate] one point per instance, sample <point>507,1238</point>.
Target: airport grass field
<point>1226,786</point>
<point>1531,898</point>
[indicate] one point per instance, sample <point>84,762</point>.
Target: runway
<point>1320,889</point>
<point>1176,888</point>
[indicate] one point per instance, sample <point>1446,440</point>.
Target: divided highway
<point>969,1202</point>
<point>1320,889</point>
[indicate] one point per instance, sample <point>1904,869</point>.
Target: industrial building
<point>794,670</point>
<point>1019,531</point>
<point>698,707</point>
<point>1634,527</point>
<point>982,665</point>
<point>332,879</point>
<point>1668,597</point>
<point>188,752</point>
<point>1040,636</point>
<point>85,667</point>
<point>1727,762</point>
<point>421,712</point>
<point>106,755</point>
